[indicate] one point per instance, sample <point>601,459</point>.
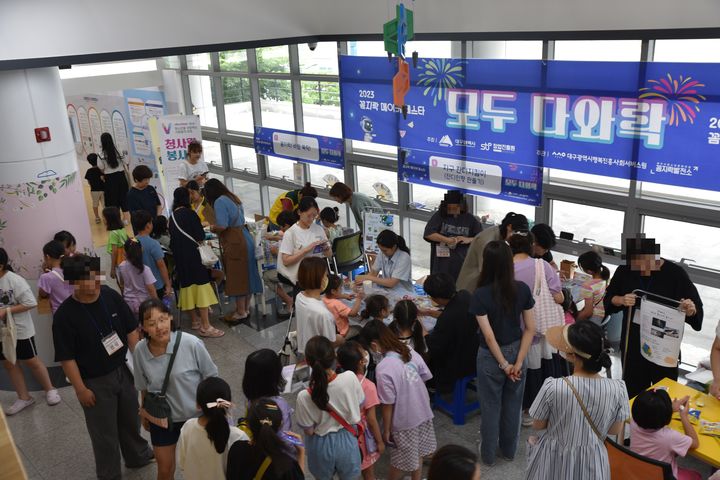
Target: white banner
<point>174,133</point>
<point>661,332</point>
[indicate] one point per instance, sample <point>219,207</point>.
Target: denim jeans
<point>500,403</point>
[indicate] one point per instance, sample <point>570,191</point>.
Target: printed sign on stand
<point>661,333</point>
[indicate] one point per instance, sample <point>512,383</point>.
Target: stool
<point>458,407</point>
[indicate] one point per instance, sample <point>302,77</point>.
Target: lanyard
<point>92,319</point>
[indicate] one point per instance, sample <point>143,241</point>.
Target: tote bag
<point>547,313</point>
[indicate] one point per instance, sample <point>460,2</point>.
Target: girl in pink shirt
<point>52,284</point>
<point>341,312</point>
<point>353,357</point>
<point>650,435</point>
<point>136,280</point>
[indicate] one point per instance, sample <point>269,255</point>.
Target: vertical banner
<point>174,133</point>
<point>140,107</point>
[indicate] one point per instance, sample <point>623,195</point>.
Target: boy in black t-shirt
<point>92,331</point>
<point>142,195</point>
<point>94,177</point>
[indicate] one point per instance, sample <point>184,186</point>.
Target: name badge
<point>442,251</point>
<point>112,343</point>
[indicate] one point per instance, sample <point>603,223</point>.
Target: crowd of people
<point>501,316</point>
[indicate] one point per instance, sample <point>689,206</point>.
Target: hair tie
<point>266,421</point>
<point>219,403</point>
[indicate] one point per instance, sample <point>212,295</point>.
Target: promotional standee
<point>375,222</point>
<point>490,126</point>
<point>171,135</point>
<point>661,333</point>
<point>303,147</point>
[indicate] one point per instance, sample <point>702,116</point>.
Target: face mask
<point>377,357</point>
<point>324,284</point>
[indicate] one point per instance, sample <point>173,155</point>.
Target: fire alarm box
<point>42,134</point>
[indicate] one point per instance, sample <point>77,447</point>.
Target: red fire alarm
<point>42,134</point>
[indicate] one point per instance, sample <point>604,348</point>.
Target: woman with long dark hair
<point>196,293</point>
<point>331,448</point>
<point>112,164</point>
<point>498,304</point>
<point>393,266</point>
<point>242,278</point>
<point>247,458</point>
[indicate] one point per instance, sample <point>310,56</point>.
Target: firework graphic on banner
<point>438,75</point>
<point>681,95</point>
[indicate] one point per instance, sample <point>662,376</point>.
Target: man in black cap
<point>470,272</point>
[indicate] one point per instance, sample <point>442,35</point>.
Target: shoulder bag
<point>357,431</point>
<point>600,436</point>
<point>207,255</point>
<point>547,313</point>
<point>156,408</point>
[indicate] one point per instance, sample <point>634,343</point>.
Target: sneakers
<point>19,406</point>
<point>52,397</point>
<point>527,420</point>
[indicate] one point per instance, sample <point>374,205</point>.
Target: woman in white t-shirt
<point>304,239</point>
<point>331,448</point>
<point>193,168</point>
<point>17,298</point>
<point>313,317</point>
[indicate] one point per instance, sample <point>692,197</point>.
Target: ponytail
<point>213,397</point>
<point>604,273</point>
<point>390,239</point>
<point>134,254</point>
<point>405,317</point>
<point>265,420</point>
<point>592,262</point>
<point>320,355</point>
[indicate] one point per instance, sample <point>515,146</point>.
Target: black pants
<point>286,281</point>
<point>113,422</point>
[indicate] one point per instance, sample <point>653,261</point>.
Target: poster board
<point>661,333</point>
<point>375,222</point>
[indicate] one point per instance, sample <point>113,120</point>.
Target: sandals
<point>195,326</point>
<point>211,332</point>
<point>234,318</point>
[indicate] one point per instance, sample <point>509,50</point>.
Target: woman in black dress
<point>113,168</point>
<point>196,293</point>
<point>646,270</point>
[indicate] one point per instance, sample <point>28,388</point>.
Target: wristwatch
<point>503,366</point>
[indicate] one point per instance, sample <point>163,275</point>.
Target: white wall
<point>51,28</point>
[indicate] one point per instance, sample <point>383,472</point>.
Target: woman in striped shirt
<point>571,445</point>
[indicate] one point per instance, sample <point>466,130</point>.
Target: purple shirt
<point>135,284</point>
<point>403,385</point>
<point>525,272</point>
<point>53,283</point>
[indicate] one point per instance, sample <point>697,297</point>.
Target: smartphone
<point>292,439</point>
<point>319,248</point>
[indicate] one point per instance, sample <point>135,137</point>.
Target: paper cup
<point>367,286</point>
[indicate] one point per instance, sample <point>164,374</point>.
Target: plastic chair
<point>347,253</point>
<point>628,465</point>
<point>458,407</point>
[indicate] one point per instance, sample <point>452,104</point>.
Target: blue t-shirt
<point>228,213</point>
<point>152,252</point>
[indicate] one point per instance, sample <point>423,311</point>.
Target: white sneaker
<point>19,406</point>
<point>52,397</point>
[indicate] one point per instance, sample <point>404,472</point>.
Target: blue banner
<point>303,147</point>
<point>655,122</point>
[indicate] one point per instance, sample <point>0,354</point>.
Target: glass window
<point>216,175</point>
<point>587,180</point>
<point>322,60</point>
<point>249,193</point>
<point>211,153</point>
<point>321,108</point>
<point>280,168</point>
<point>492,210</point>
<point>233,61</point>
<point>516,50</point>
<point>696,345</point>
<point>172,62</point>
<point>694,50</point>
<point>425,49</point>
<point>680,240</point>
<point>368,179</point>
<point>238,107</point>
<point>359,146</point>
<point>202,97</point>
<point>419,249</point>
<point>318,172</point>
<point>430,197</point>
<point>560,256</point>
<point>671,192</point>
<point>366,49</point>
<point>243,158</point>
<point>598,50</point>
<point>600,225</point>
<point>276,104</point>
<point>198,61</point>
<point>273,59</point>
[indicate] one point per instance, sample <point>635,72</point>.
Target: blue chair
<point>458,407</point>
